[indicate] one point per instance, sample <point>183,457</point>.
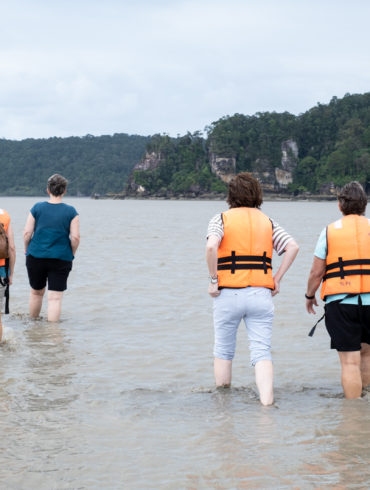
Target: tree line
<point>333,141</point>
<point>92,164</point>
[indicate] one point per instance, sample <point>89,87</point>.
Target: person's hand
<point>213,290</point>
<point>10,279</point>
<point>276,289</point>
<point>309,305</point>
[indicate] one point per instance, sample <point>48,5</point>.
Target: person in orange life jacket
<point>239,249</point>
<point>51,237</point>
<point>6,276</point>
<point>342,264</point>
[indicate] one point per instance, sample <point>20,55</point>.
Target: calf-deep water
<point>120,393</point>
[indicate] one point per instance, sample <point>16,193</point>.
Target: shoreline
<point>213,197</point>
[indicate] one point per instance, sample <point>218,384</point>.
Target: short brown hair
<point>244,191</point>
<point>352,198</point>
<point>57,184</point>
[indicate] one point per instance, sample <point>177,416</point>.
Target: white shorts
<point>253,305</point>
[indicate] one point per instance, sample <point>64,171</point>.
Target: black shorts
<point>347,325</point>
<point>53,271</point>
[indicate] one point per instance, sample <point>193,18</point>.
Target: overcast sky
<point>76,67</point>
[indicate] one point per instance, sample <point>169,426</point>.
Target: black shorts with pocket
<point>53,271</point>
<point>347,325</point>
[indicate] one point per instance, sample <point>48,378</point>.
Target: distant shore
<point>216,197</point>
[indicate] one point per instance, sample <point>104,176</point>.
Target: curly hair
<point>352,199</point>
<point>244,191</point>
<point>57,185</point>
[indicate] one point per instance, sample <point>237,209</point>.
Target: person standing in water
<point>240,244</point>
<point>342,265</point>
<point>7,261</point>
<point>51,237</point>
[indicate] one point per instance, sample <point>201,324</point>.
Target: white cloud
<point>172,66</point>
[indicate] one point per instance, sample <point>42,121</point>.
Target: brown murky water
<point>120,394</point>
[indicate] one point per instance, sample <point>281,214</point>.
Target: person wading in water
<point>342,265</point>
<point>51,238</point>
<point>7,260</point>
<point>240,243</point>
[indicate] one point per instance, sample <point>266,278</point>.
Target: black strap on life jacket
<point>312,331</point>
<point>341,264</point>
<point>232,262</point>
<point>4,281</point>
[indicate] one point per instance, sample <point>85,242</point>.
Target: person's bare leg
<point>365,365</point>
<point>54,305</point>
<point>35,304</point>
<point>351,373</point>
<point>222,369</point>
<point>264,379</point>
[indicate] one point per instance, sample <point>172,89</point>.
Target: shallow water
<point>120,394</point>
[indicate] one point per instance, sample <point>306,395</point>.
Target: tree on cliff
<point>183,168</point>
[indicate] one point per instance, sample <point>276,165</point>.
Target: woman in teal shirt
<point>51,238</point>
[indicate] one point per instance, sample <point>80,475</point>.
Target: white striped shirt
<point>280,237</point>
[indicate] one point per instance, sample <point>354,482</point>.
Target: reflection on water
<point>120,394</point>
<point>346,452</point>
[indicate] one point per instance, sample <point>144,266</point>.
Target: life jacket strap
<point>232,262</point>
<point>344,263</point>
<point>351,295</point>
<point>353,272</point>
<point>312,331</point>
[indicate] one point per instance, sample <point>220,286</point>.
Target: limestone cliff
<point>272,177</point>
<point>223,167</point>
<point>289,160</point>
<point>150,161</point>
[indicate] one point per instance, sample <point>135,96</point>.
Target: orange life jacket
<point>348,258</point>
<point>4,220</point>
<point>245,251</point>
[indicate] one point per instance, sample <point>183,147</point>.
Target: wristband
<point>213,280</point>
<point>309,297</point>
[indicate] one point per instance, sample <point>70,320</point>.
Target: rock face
<point>223,167</point>
<point>264,172</point>
<point>150,161</point>
<point>289,160</point>
<point>283,177</point>
<point>289,155</point>
<point>273,177</point>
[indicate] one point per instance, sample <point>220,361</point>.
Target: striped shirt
<point>280,237</point>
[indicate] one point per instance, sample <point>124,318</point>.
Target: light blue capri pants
<point>253,305</point>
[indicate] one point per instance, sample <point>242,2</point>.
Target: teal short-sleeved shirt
<point>321,252</point>
<point>51,234</point>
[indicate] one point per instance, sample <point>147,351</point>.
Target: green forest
<point>92,164</point>
<point>333,143</point>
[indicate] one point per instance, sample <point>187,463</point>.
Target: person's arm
<point>314,280</point>
<point>213,243</point>
<point>28,231</point>
<point>74,234</point>
<point>11,246</point>
<point>290,253</point>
